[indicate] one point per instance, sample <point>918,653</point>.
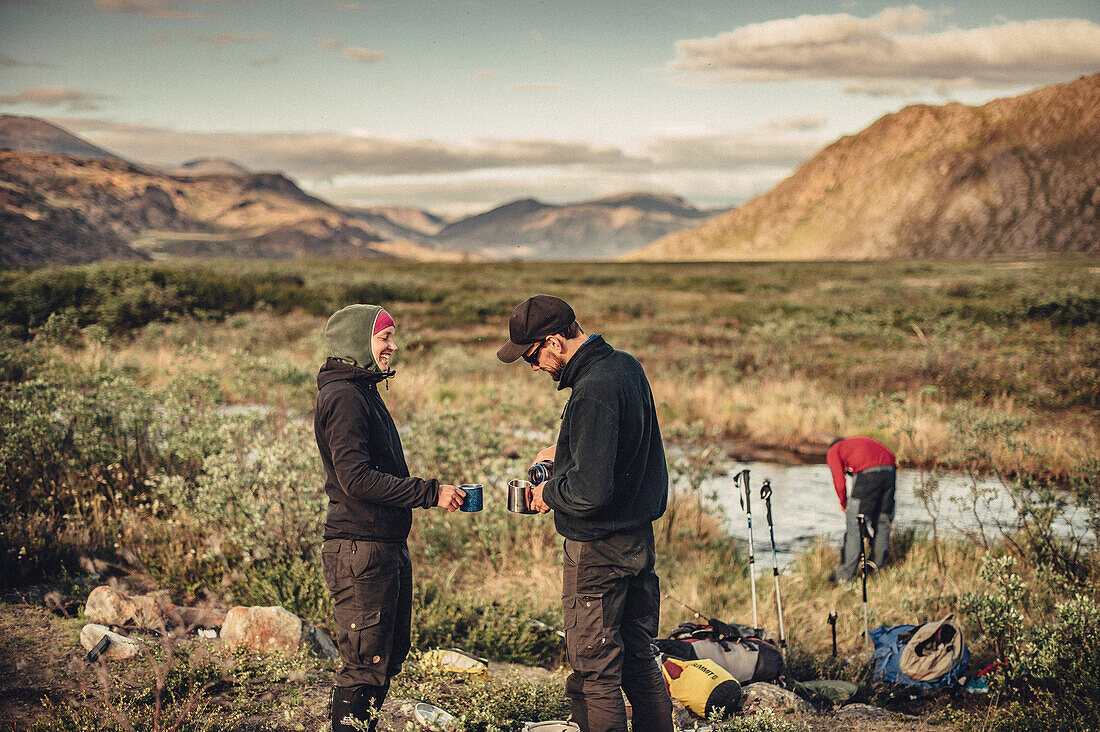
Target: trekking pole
<point>832,622</point>
<point>694,612</point>
<point>766,494</point>
<point>746,503</point>
<point>543,626</point>
<point>863,571</point>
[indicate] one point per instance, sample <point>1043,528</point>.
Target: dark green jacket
<point>609,472</point>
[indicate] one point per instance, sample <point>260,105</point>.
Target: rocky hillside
<point>606,227</point>
<point>30,134</point>
<point>1015,177</point>
<point>63,209</point>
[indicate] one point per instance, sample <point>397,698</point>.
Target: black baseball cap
<point>531,321</point>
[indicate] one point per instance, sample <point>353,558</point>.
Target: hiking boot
<point>358,702</point>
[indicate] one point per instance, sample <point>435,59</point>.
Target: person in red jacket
<point>875,471</point>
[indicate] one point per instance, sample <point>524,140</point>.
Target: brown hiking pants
<point>371,586</point>
<point>611,602</point>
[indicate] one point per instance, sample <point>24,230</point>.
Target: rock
<point>682,717</point>
<point>399,713</point>
<point>120,647</point>
<point>262,629</point>
<point>108,606</point>
<point>761,696</point>
<point>862,711</point>
<point>193,617</point>
<point>318,642</point>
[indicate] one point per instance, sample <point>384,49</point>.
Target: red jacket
<point>852,455</point>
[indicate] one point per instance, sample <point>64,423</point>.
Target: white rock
<point>762,695</point>
<point>861,711</point>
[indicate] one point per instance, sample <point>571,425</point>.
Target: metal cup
<point>472,501</point>
<point>518,491</point>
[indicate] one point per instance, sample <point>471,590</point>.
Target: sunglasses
<point>533,357</point>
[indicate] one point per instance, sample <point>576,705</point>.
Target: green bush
<point>497,704</point>
<point>501,631</point>
<point>1049,669</point>
<point>78,449</point>
<point>124,297</point>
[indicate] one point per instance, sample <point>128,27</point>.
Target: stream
<point>805,506</point>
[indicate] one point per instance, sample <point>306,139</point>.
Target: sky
<point>457,106</point>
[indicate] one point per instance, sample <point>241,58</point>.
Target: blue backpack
<point>934,653</point>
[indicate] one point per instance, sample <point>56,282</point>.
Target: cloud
<point>363,54</point>
<point>348,6</point>
<point>728,151</point>
<point>11,62</point>
<point>710,169</point>
<point>798,123</point>
<point>536,86</point>
<point>330,154</point>
<point>328,43</point>
<point>893,51</point>
<point>464,193</point>
<point>148,8</point>
<point>229,39</point>
<point>54,96</point>
<point>883,89</point>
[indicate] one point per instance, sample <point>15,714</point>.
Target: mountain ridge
<point>106,206</point>
<point>1015,177</point>
<point>31,134</point>
<point>601,228</point>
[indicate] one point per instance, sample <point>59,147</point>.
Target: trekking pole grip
<point>766,495</point>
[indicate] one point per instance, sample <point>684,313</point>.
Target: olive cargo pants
<point>371,587</point>
<point>611,604</point>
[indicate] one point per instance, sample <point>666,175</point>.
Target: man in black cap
<point>609,484</point>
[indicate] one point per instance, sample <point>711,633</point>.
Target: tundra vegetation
<point>156,424</point>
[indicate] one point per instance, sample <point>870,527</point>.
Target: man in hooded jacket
<point>371,495</point>
<point>609,484</point>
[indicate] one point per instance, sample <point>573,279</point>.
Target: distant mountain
<point>602,228</point>
<point>397,222</point>
<point>58,208</point>
<point>30,134</point>
<point>63,200</point>
<point>1015,177</point>
<point>210,166</point>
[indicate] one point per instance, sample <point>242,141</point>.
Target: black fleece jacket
<point>609,471</point>
<point>370,493</point>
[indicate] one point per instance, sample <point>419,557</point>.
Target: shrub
<point>500,704</point>
<point>501,631</point>
<point>78,449</point>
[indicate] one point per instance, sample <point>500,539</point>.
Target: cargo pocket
<point>374,597</point>
<point>330,558</point>
<point>353,617</point>
<point>586,639</point>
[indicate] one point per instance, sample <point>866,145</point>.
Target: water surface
<point>805,506</point>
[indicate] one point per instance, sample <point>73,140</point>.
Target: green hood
<point>348,335</point>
